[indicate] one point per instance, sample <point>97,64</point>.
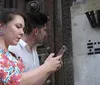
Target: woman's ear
<point>1,25</point>
<point>1,29</point>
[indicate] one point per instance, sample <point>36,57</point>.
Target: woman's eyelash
<point>18,26</point>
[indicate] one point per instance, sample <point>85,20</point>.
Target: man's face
<point>41,34</point>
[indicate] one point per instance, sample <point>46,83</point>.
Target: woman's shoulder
<point>7,55</point>
<point>9,58</point>
<point>2,53</point>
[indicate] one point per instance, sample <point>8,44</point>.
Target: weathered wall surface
<point>85,41</point>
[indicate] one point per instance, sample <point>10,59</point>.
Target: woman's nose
<point>22,32</point>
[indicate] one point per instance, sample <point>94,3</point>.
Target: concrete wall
<point>86,58</point>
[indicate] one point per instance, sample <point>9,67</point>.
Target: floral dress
<point>10,68</point>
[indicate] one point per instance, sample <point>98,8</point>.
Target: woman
<point>11,67</point>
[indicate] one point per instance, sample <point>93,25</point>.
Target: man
<point>34,34</point>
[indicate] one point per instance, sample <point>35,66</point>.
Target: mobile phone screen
<point>62,50</point>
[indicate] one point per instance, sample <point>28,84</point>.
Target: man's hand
<point>53,63</point>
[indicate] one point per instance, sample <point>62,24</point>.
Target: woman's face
<point>14,30</point>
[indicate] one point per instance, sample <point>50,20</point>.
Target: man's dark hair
<point>35,20</point>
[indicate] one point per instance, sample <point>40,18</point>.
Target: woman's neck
<point>3,44</point>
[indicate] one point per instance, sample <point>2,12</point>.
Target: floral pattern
<point>10,68</point>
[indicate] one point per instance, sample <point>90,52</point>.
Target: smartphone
<point>62,50</point>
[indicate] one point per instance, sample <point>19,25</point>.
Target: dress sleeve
<point>9,72</point>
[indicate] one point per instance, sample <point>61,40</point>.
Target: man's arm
<point>39,75</point>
